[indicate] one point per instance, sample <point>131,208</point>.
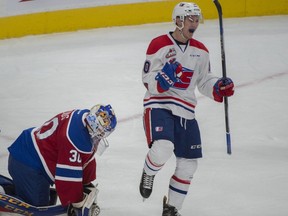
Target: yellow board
<point>128,14</point>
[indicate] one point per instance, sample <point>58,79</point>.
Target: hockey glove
<point>93,211</point>
<point>177,68</point>
<point>224,87</point>
<point>88,206</point>
<point>167,77</point>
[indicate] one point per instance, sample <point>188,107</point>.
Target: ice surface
<point>47,74</point>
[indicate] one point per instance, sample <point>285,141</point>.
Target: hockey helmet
<point>184,9</point>
<point>101,121</point>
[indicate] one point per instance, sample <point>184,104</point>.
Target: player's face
<point>190,25</point>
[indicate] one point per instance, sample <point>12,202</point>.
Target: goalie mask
<point>101,121</point>
<point>184,9</point>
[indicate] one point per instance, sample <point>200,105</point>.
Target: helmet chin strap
<point>181,31</point>
<point>182,35</point>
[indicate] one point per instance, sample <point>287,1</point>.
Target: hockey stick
<point>11,204</point>
<point>228,138</point>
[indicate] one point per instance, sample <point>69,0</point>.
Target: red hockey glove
<point>177,68</point>
<point>224,87</point>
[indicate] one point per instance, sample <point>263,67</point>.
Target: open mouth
<point>191,30</point>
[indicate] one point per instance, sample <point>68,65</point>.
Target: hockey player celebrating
<point>175,65</point>
<point>61,152</point>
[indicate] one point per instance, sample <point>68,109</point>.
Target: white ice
<point>47,74</point>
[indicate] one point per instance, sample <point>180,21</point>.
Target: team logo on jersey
<point>184,81</point>
<point>171,53</point>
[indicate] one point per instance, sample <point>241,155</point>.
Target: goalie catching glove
<point>88,206</point>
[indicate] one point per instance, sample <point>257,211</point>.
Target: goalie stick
<point>11,204</point>
<point>228,138</point>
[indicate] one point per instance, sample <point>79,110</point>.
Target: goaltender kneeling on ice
<point>61,152</point>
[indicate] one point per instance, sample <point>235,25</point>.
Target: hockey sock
<point>157,156</point>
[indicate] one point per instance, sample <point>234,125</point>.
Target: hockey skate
<point>146,185</point>
<point>169,210</point>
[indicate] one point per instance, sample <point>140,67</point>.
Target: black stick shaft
<point>223,59</point>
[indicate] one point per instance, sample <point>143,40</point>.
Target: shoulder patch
<point>171,53</point>
<point>146,67</point>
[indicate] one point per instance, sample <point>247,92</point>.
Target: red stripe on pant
<point>147,125</point>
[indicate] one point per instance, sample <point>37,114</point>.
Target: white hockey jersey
<point>180,98</point>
